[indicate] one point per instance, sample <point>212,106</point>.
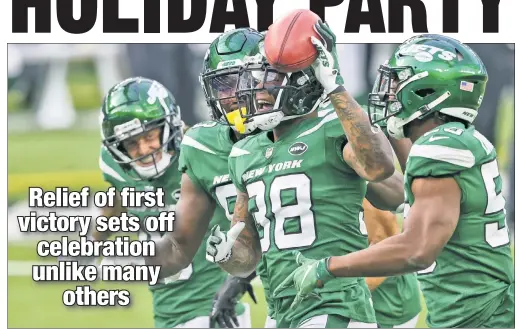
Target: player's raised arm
<point>237,251</point>
<point>368,151</point>
<point>175,250</point>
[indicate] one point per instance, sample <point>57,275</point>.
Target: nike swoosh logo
<point>432,139</point>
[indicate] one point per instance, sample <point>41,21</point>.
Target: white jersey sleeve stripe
<point>193,143</point>
<point>236,152</point>
<point>463,158</point>
<point>109,171</point>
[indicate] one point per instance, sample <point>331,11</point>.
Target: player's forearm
<point>392,256</point>
<point>387,194</point>
<point>169,255</point>
<point>246,251</point>
<point>243,261</point>
<point>372,150</point>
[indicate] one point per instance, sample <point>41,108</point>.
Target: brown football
<point>287,43</point>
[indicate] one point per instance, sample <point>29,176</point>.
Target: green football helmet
<point>134,107</point>
<point>427,74</point>
<point>244,91</point>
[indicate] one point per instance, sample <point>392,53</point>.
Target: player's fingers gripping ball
<point>326,66</point>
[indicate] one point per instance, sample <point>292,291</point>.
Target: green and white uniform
<point>471,283</point>
<point>303,196</point>
<point>203,157</point>
<point>397,300</point>
<point>191,296</point>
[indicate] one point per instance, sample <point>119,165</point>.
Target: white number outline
<point>495,236</point>
<point>306,216</point>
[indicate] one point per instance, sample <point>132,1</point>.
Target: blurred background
<point>54,95</point>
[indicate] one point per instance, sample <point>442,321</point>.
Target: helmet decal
<point>427,74</point>
<point>134,107</point>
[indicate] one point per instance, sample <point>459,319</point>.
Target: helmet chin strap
<point>395,126</point>
<point>157,169</point>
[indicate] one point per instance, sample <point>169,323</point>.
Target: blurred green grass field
<point>53,158</point>
<point>32,304</point>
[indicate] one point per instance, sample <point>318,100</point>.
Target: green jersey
<point>473,275</point>
<point>397,300</point>
<point>203,157</point>
<point>191,295</point>
<point>303,196</point>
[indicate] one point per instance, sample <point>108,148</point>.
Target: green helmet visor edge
<point>382,101</point>
<point>220,88</point>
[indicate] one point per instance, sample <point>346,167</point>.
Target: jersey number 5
<point>494,235</point>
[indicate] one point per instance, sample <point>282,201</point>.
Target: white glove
<point>326,65</point>
<point>219,244</point>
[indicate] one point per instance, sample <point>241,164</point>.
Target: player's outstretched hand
<point>310,274</point>
<point>219,244</point>
<point>326,66</point>
<point>225,300</point>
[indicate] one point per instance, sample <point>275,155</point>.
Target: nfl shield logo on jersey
<point>298,148</point>
<point>268,152</point>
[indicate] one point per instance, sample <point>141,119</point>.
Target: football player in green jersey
<point>142,132</point>
<point>206,189</point>
<point>455,232</point>
<point>301,183</point>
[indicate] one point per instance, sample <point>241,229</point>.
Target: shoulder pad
<point>447,150</point>
<point>201,137</point>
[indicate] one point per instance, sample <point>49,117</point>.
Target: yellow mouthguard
<point>236,119</point>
